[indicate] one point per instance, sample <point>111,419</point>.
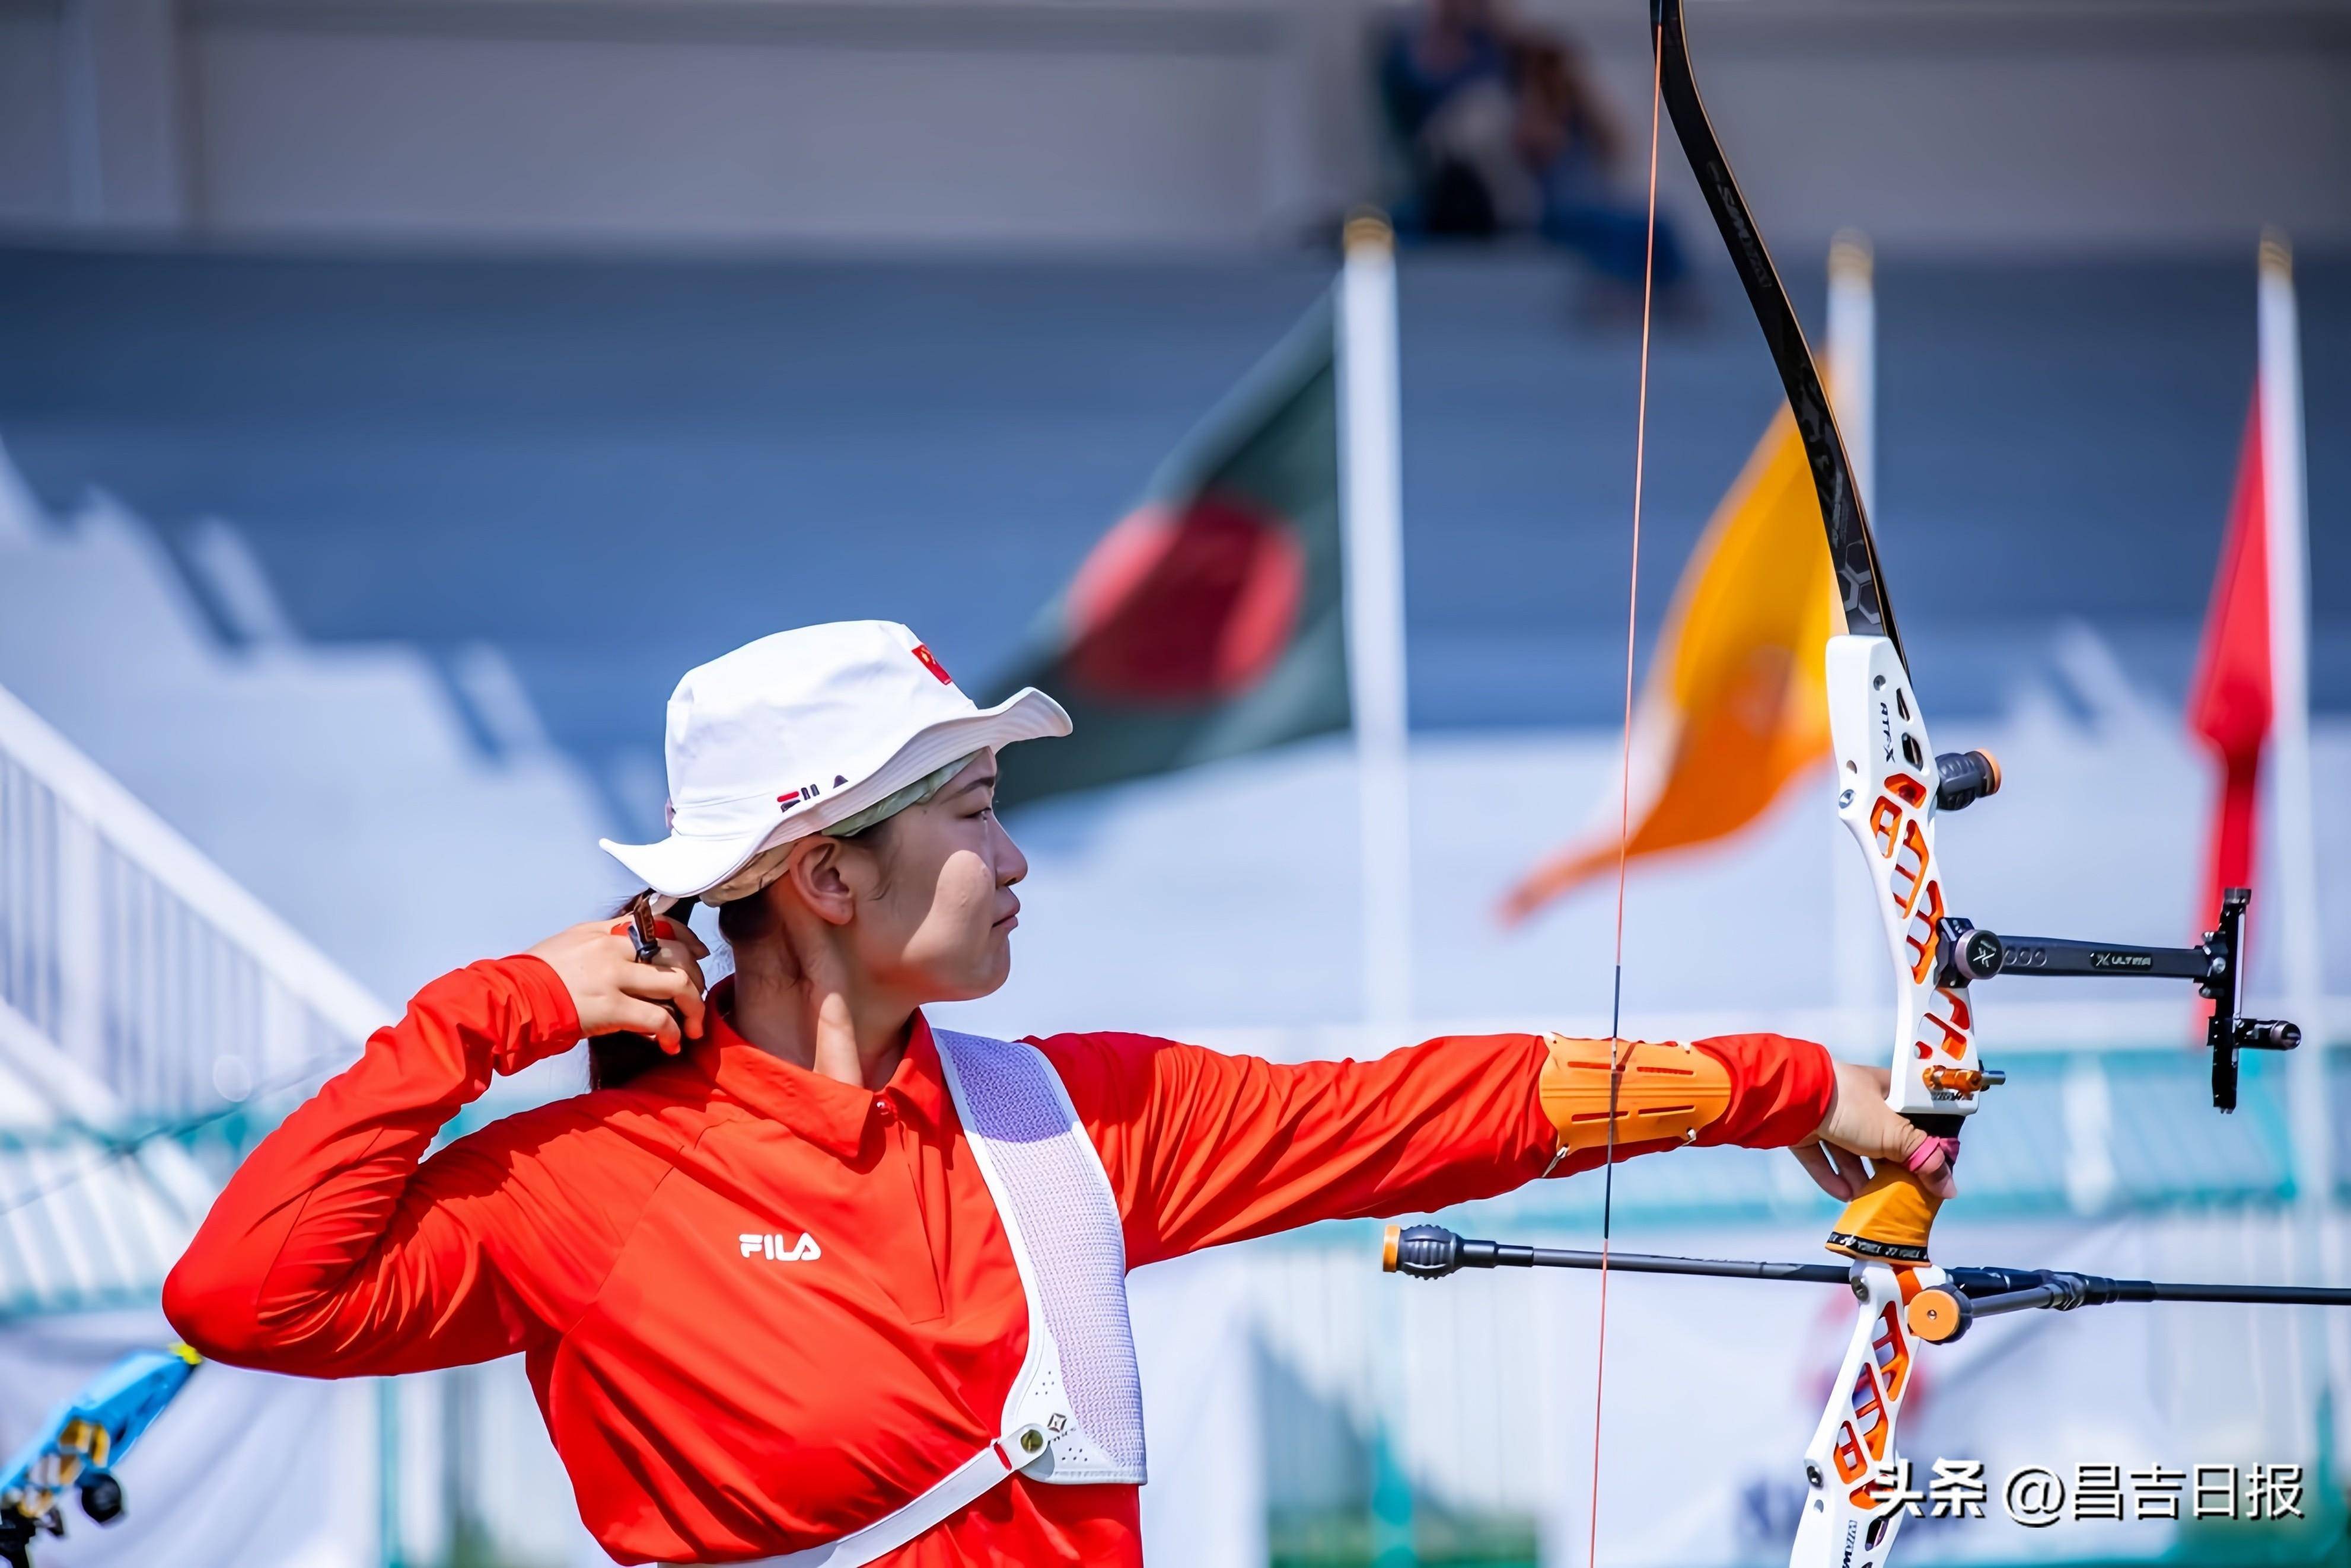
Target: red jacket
<point>712,1403</point>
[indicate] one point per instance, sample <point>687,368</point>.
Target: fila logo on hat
<point>791,798</point>
<point>862,703</point>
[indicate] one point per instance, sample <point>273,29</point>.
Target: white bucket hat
<point>794,733</point>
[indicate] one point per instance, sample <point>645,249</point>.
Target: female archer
<point>816,1281</point>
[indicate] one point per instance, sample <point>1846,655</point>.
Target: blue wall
<point>614,469</point>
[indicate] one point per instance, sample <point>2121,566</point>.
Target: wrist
<point>1783,1090</point>
<point>544,1019</point>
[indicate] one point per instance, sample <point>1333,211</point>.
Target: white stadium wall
<point>1091,125</point>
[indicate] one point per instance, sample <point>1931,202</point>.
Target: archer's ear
<point>822,877</point>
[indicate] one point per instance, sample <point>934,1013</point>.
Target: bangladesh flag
<point>1208,622</point>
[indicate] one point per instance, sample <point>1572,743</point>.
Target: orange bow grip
<point>1891,1219</point>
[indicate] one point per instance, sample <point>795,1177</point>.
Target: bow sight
<point>1970,954</point>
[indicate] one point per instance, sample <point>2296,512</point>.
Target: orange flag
<point>1735,704</point>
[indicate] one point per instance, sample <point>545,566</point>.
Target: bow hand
<point>1861,1126</point>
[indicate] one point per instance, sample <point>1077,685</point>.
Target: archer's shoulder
<point>1107,1069</point>
<point>637,1125</point>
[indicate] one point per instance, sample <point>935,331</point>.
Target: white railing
<point>138,959</point>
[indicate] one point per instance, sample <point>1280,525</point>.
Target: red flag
<point>2229,704</point>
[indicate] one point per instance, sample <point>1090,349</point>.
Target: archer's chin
<point>994,972</point>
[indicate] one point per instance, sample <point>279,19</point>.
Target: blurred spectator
<point>1503,133</point>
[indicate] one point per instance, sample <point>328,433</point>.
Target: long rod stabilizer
<point>1937,1314</point>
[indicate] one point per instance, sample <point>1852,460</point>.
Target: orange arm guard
<point>1663,1092</point>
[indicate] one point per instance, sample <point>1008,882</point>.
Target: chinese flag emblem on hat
<point>931,663</point>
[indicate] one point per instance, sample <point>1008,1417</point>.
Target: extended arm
<point>1204,1148</point>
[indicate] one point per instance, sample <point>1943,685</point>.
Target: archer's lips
<point>1010,918</point>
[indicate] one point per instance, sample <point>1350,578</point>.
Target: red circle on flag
<point>1188,605</point>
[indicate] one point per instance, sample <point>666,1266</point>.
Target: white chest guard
<point>1074,1417</point>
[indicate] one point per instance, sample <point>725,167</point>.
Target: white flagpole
<point>2294,914</point>
<point>2293,841</point>
<point>1853,356</point>
<point>1371,511</point>
<point>1853,389</point>
<point>1371,504</point>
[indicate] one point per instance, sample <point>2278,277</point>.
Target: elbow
<point>212,1313</point>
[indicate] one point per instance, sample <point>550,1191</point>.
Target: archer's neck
<point>822,1023</point>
